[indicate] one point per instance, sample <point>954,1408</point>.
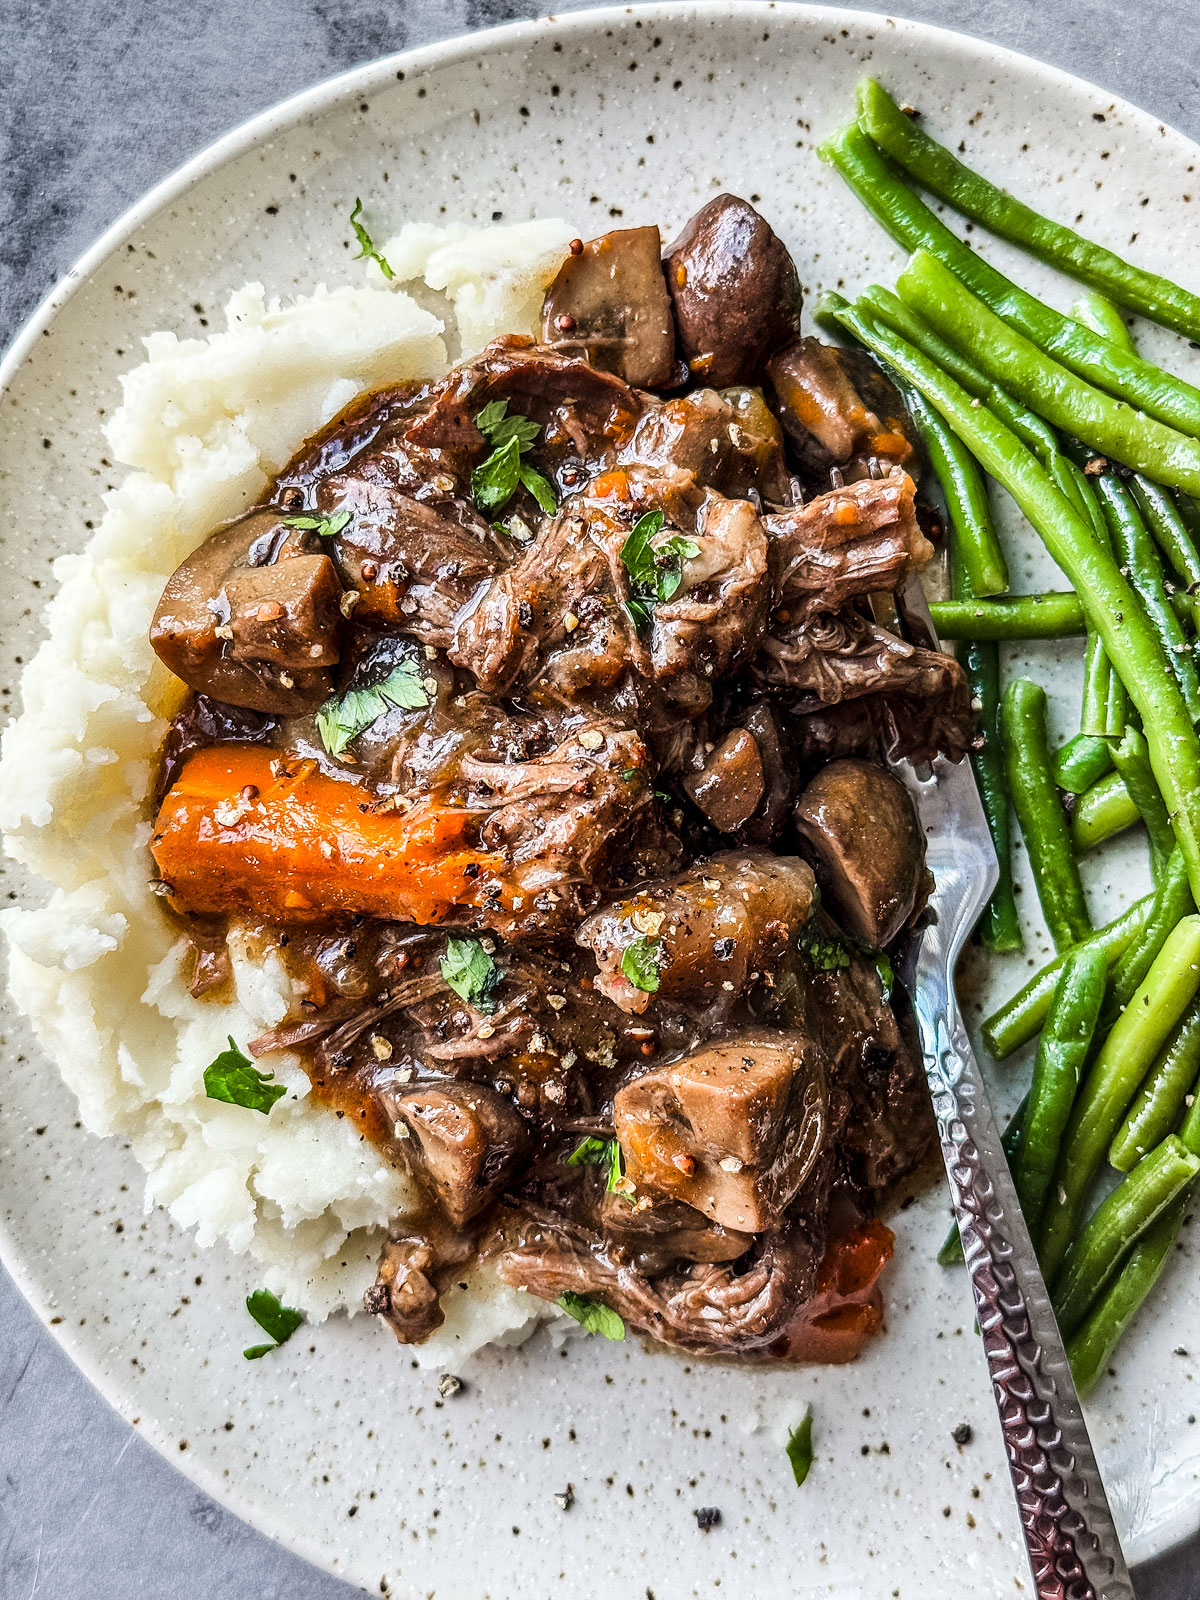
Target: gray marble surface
<point>99,99</point>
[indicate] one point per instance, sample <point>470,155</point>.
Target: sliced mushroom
<point>735,291</point>
<point>732,1130</point>
<point>731,784</point>
<point>609,303</point>
<point>706,935</point>
<point>467,1140</point>
<point>252,617</point>
<point>866,844</point>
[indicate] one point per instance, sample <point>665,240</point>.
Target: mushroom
<point>609,302</point>
<point>866,845</point>
<point>732,1130</point>
<point>252,617</point>
<point>835,404</point>
<point>466,1140</point>
<point>706,935</point>
<point>731,784</point>
<point>735,291</point>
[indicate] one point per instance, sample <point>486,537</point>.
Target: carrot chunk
<point>246,828</point>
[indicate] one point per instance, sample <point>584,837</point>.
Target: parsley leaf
<point>591,1315</point>
<point>326,527</point>
<point>655,571</point>
<point>593,1152</point>
<point>366,248</point>
<point>799,1449</point>
<point>280,1322</point>
<point>232,1077</point>
<point>887,975</point>
<point>641,963</point>
<point>539,488</point>
<point>825,952</point>
<point>471,973</point>
<point>343,717</point>
<point>495,422</point>
<point>496,479</point>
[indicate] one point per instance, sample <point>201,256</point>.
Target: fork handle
<point>1072,1543</point>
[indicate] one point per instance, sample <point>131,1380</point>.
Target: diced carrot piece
<point>245,828</point>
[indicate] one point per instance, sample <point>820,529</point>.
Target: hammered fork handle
<point>1073,1547</point>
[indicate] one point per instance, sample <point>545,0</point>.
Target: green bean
<point>976,546</point>
<point>1091,1346</point>
<point>1108,600</point>
<point>1189,1130</point>
<point>1104,708</point>
<point>936,169</point>
<point>1163,518</point>
<point>1097,690</point>
<point>1139,557</point>
<point>1055,615</point>
<point>889,309</point>
<point>1117,709</point>
<point>913,225</point>
<point>1011,1139</point>
<point>1044,384</point>
<point>1172,901</point>
<point>1161,1097</point>
<point>1062,1053</point>
<point>1117,1221</point>
<point>1097,312</point>
<point>1131,757</point>
<point>1137,1036</point>
<point>1082,763</point>
<point>1100,812</point>
<point>1039,811</point>
<point>1019,1018</point>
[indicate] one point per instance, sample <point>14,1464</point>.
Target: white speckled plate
<point>337,1445</point>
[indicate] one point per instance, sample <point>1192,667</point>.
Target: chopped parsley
<point>591,1315</point>
<point>280,1322</point>
<point>887,975</point>
<point>471,973</point>
<point>343,717</point>
<point>825,952</point>
<point>799,1449</point>
<point>641,963</point>
<point>232,1077</point>
<point>592,1152</point>
<point>655,571</point>
<point>325,527</point>
<point>366,247</point>
<point>496,479</point>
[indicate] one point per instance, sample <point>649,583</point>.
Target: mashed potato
<point>97,967</point>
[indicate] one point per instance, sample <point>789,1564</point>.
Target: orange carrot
<point>246,828</point>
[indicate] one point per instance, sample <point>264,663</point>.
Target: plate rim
<point>312,101</point>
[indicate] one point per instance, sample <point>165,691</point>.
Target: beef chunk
<point>732,1130</point>
<point>848,542</point>
<point>728,441</point>
<point>711,1308</point>
<point>922,701</point>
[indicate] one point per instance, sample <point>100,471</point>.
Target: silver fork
<point>1070,1538</point>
